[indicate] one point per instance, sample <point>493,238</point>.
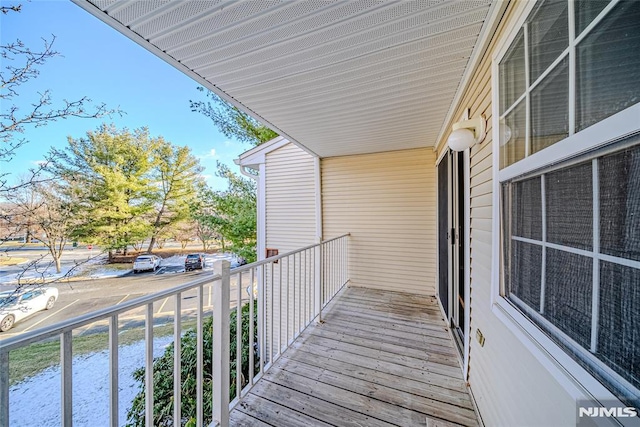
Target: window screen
<point>575,278</point>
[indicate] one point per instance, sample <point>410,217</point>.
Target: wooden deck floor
<point>380,359</point>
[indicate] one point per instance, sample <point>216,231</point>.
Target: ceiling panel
<point>338,77</point>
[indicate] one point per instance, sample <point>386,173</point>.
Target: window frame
<point>575,379</point>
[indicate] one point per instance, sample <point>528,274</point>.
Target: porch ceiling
<point>338,78</point>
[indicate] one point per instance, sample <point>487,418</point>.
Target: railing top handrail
<point>85,319</point>
<point>247,267</point>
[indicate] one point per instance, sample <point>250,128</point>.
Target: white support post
<point>318,282</point>
<point>221,345</point>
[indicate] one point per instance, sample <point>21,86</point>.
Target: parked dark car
<point>194,262</point>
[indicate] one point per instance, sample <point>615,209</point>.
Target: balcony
<point>379,358</point>
<point>319,353</point>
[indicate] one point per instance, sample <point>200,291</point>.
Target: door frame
<point>453,264</point>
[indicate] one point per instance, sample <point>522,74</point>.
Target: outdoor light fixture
<point>467,132</point>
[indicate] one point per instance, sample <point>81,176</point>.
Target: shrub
<point>163,374</point>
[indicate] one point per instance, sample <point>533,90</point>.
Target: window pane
<point>619,320</point>
<point>512,74</point>
<point>567,298</point>
<point>527,209</point>
<point>548,35</point>
<point>569,202</point>
<point>619,175</point>
<point>513,136</point>
<point>526,273</point>
<point>608,66</point>
<point>550,108</point>
<point>586,11</point>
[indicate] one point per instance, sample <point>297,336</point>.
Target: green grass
<point>28,361</point>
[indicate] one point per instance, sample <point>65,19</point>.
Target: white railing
<point>278,298</point>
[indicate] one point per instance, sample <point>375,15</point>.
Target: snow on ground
<point>36,401</point>
<point>96,268</point>
<point>93,268</point>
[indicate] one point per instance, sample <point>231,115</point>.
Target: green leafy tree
<point>176,175</point>
<point>109,173</point>
<point>232,122</point>
<point>232,213</point>
<point>163,374</point>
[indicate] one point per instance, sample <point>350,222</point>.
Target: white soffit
<point>338,78</point>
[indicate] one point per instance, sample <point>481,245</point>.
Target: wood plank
<point>421,302</point>
<point>422,370</point>
<point>353,351</point>
<point>419,305</point>
<point>438,328</point>
<point>388,328</point>
<point>362,403</point>
<point>272,413</point>
<point>378,376</point>
<point>445,355</point>
<point>400,398</point>
<point>390,336</point>
<point>390,313</point>
<point>314,407</point>
<point>241,419</point>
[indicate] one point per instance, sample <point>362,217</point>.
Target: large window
<point>571,229</point>
<point>571,65</point>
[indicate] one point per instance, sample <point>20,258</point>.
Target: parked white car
<point>146,262</point>
<point>17,305</point>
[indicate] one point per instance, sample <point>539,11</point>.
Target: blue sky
<point>100,63</point>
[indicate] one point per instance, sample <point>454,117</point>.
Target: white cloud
<point>212,154</point>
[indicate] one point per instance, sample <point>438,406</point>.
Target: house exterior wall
<point>387,201</point>
<point>290,199</point>
<point>512,381</point>
<point>290,224</point>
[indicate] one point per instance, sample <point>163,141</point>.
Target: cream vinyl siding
<point>510,386</point>
<point>290,225</point>
<point>387,201</point>
<point>290,199</point>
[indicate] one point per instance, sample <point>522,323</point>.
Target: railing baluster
<point>319,285</point>
<point>262,300</point>
<point>300,294</point>
<point>280,308</point>
<point>286,335</point>
<point>239,336</point>
<point>4,388</point>
<point>199,359</point>
<point>251,331</point>
<point>293,320</point>
<point>272,339</point>
<point>177,361</point>
<point>148,336</point>
<point>113,370</point>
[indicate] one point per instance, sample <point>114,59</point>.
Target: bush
<point>163,374</point>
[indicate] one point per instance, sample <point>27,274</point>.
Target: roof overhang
<point>336,78</point>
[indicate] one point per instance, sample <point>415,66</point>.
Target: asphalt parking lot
<point>81,297</point>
